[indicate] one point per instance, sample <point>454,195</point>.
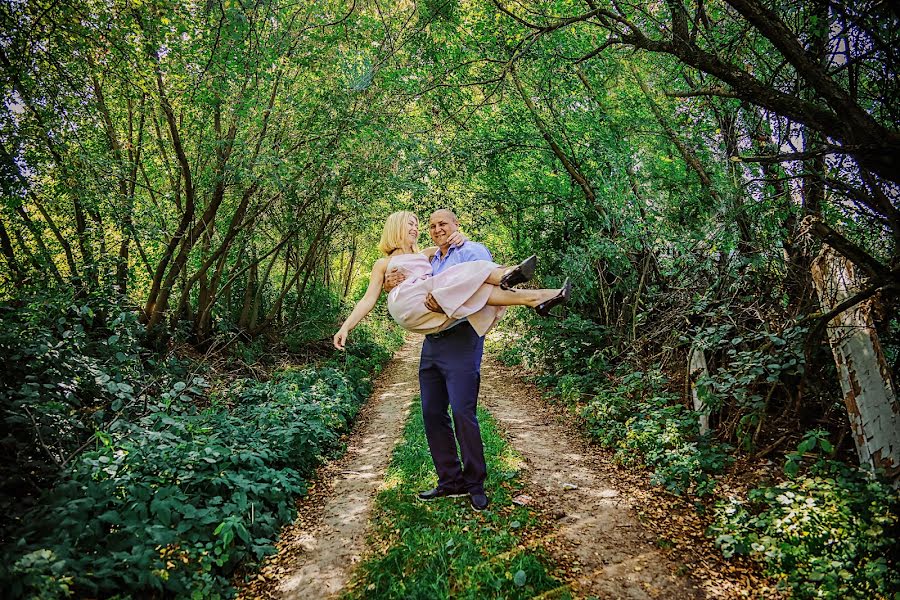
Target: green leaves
<point>231,527</point>
<point>812,440</point>
<point>826,533</point>
<point>519,578</point>
<point>176,499</point>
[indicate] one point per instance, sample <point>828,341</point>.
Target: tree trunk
<point>8,253</point>
<point>35,263</point>
<point>158,298</point>
<point>249,295</point>
<point>203,321</point>
<point>306,268</point>
<point>869,393</point>
<point>567,162</point>
<point>348,277</point>
<point>187,242</point>
<point>697,369</point>
<point>39,241</point>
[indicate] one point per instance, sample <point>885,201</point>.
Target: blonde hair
<point>395,229</point>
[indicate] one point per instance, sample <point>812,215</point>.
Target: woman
<point>475,290</point>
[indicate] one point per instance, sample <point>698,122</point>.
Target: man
<point>450,376</point>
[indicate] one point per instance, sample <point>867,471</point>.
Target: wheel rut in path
<point>317,553</point>
<point>610,553</point>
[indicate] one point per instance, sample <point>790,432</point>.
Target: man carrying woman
<point>453,294</point>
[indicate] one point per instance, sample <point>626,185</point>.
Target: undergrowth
<point>631,412</point>
<point>828,533</point>
<point>174,489</point>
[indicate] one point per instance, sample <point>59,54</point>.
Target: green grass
<point>444,549</point>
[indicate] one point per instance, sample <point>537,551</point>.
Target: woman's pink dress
<point>460,290</point>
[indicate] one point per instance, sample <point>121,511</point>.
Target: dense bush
<point>175,500</point>
<point>755,376</point>
<point>635,415</point>
<point>829,533</point>
<point>316,321</point>
<point>70,363</point>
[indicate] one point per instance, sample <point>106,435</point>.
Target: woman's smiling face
<point>412,233</point>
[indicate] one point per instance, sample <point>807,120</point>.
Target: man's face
<point>440,226</point>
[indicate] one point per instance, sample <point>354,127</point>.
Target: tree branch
<point>867,263</point>
<point>713,91</point>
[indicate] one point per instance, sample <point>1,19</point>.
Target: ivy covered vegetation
<point>192,193</point>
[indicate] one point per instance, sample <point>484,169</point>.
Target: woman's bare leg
<point>519,297</point>
<point>496,275</point>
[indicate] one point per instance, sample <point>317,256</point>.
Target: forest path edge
<point>318,551</point>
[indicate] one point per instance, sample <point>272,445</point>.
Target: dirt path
<point>606,548</point>
<point>318,551</point>
<point>613,535</point>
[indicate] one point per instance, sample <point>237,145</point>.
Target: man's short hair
<point>448,211</point>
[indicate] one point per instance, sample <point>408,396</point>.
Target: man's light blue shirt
<point>456,255</point>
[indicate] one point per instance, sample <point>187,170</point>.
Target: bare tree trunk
<point>869,393</point>
<point>797,281</point>
<point>696,370</point>
<point>348,277</point>
<point>29,224</point>
<point>127,226</point>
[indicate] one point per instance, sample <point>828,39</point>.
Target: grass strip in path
<point>444,549</point>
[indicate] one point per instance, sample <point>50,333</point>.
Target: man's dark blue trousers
<point>450,376</point>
